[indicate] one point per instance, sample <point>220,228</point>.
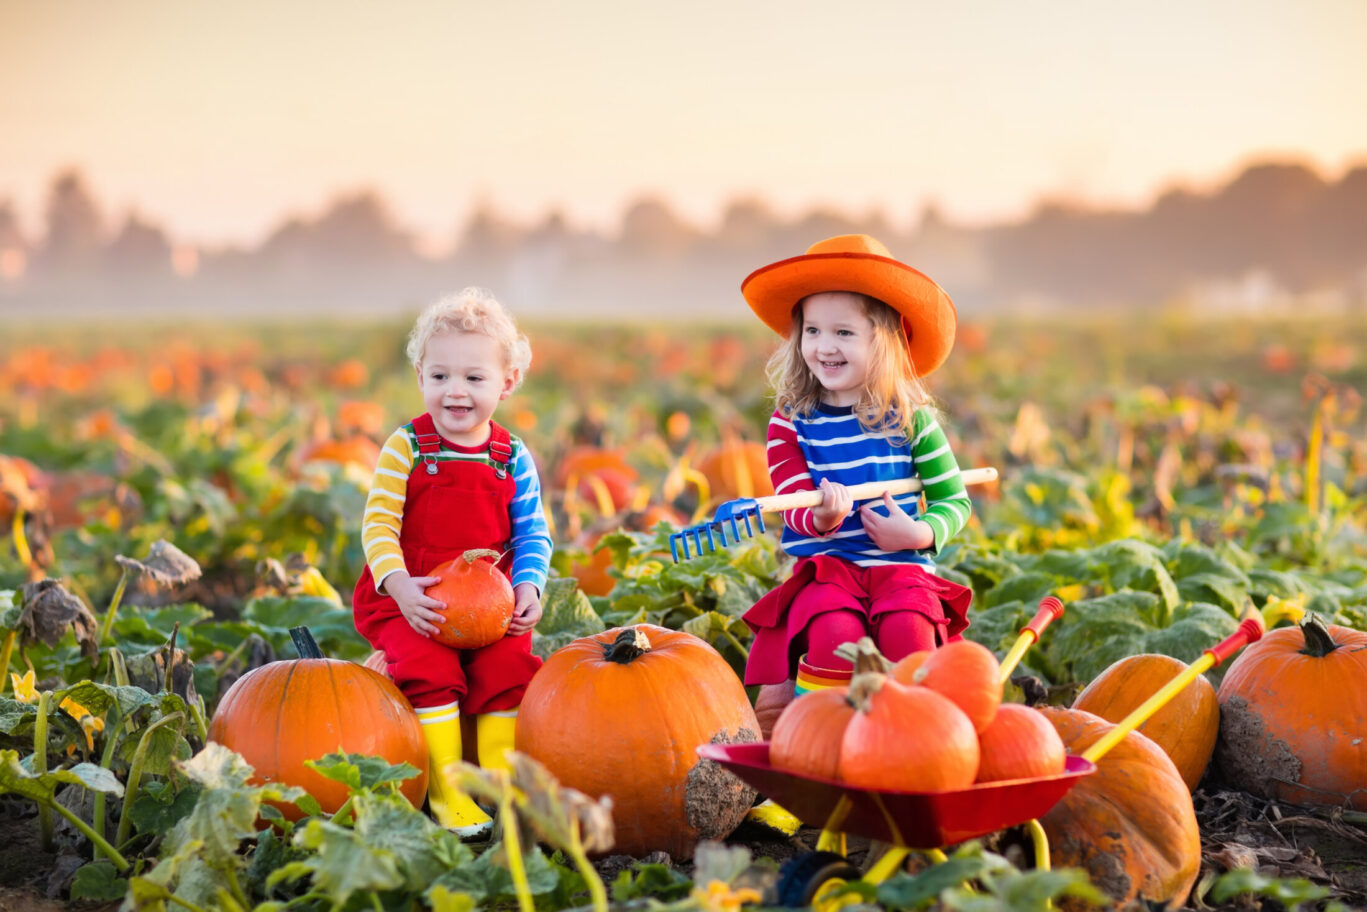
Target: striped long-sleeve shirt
<point>831,444</point>
<point>383,518</point>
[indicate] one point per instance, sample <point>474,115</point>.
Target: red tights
<point>897,634</point>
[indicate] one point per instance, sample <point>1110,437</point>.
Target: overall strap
<point>500,449</point>
<point>429,441</point>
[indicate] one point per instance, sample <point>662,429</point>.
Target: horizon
<point>218,124</point>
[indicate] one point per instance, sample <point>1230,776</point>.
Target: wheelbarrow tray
<point>917,820</point>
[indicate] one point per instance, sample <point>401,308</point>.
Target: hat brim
<point>928,315</point>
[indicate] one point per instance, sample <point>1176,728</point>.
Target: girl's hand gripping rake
<point>750,511</point>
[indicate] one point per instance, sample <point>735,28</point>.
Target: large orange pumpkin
<point>1185,728</point>
<point>1130,825</point>
<point>478,598</point>
<point>283,713</point>
<point>1291,716</point>
<point>623,713</point>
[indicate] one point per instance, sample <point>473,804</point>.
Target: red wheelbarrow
<point>928,821</point>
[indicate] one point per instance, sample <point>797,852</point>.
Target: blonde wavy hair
<point>472,310</point>
<point>892,391</point>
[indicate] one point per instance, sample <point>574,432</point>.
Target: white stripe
<point>398,457</point>
<point>502,713</point>
<point>426,719</point>
<point>933,426</point>
<point>792,481</point>
<point>376,508</point>
<point>830,419</point>
<point>939,521</point>
<point>388,531</point>
<point>379,470</point>
<point>953,473</point>
<point>775,420</point>
<point>392,495</point>
<point>836,466</point>
<point>384,559</point>
<point>420,710</point>
<point>926,457</point>
<point>832,441</point>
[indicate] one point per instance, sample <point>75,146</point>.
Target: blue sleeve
<point>531,542</point>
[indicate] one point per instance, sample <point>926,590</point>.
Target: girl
<point>861,331</point>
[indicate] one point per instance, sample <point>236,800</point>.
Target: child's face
<point>463,377</point>
<point>836,338</point>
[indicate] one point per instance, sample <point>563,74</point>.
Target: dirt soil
<point>1237,830</point>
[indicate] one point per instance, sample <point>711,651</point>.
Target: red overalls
<point>450,507</point>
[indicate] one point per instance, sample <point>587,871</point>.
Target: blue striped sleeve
<point>531,542</point>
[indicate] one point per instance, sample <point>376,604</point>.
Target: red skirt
<point>874,590</point>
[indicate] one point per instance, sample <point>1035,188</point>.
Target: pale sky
<point>215,119</point>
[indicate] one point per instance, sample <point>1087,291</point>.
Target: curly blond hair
<point>892,391</point>
<point>472,310</point>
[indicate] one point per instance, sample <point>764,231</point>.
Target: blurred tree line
<point>1276,233</point>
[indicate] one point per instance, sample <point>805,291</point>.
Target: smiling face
<point>463,376</point>
<point>836,339</point>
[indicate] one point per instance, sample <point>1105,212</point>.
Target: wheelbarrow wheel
<point>801,877</point>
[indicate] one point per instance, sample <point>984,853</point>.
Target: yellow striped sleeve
<point>383,517</point>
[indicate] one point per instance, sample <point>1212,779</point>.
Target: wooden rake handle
<point>777,503</point>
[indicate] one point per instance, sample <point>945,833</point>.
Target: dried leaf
<point>165,564</point>
<point>49,610</point>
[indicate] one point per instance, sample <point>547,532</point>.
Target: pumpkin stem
<point>305,643</point>
<point>631,644</point>
<point>475,554</point>
<point>864,656</point>
<point>1319,642</point>
<point>862,689</point>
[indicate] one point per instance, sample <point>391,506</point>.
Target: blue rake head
<point>729,515</point>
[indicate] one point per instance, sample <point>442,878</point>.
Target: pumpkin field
<point>180,506</point>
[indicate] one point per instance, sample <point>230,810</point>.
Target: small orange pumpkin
<point>1185,728</point>
<point>967,673</point>
<point>904,672</point>
<point>478,598</point>
<point>906,738</point>
<point>808,736</point>
<point>1019,744</point>
<point>1291,716</point>
<point>283,713</point>
<point>623,713</point>
<point>1130,825</point>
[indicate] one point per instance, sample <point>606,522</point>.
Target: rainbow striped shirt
<point>831,444</point>
<point>383,517</point>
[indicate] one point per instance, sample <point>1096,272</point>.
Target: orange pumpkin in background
<point>357,450</point>
<point>599,477</point>
<point>478,598</point>
<point>622,713</point>
<point>283,713</point>
<point>737,468</point>
<point>1185,728</point>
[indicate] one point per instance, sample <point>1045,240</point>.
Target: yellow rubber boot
<point>451,807</point>
<point>494,738</point>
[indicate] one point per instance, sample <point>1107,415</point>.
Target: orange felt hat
<point>858,263</point>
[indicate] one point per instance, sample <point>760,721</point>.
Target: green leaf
<point>389,822</point>
<point>17,718</point>
<point>1195,628</point>
<point>1290,892</point>
<point>360,771</point>
<point>227,808</point>
<point>99,880</point>
<point>345,862</point>
<point>567,615</point>
<point>159,806</point>
<point>918,891</point>
<point>1132,564</point>
<point>653,881</point>
<point>40,787</point>
<point>1097,632</point>
<point>1220,590</point>
<point>1027,587</point>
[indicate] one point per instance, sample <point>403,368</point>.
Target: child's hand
<point>897,531</point>
<point>836,504</point>
<point>526,609</point>
<point>417,607</point>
